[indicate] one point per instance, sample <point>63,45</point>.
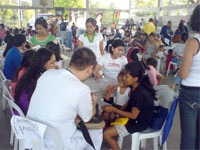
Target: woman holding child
<point>138,109</point>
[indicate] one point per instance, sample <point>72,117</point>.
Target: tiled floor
<point>173,140</point>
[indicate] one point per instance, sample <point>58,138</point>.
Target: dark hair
<point>139,29</point>
<point>170,51</point>
<point>82,58</point>
<point>92,21</point>
<point>116,43</point>
<point>26,62</point>
<point>152,34</point>
<point>55,48</point>
<point>169,22</point>
<point>157,35</point>
<point>184,37</point>
<point>7,33</point>
<point>2,25</point>
<point>137,69</point>
<point>151,20</point>
<point>28,81</point>
<point>19,39</point>
<point>152,61</point>
<point>133,55</point>
<point>121,73</point>
<point>146,35</point>
<point>41,21</point>
<point>194,20</point>
<point>161,46</point>
<point>181,28</point>
<point>10,43</point>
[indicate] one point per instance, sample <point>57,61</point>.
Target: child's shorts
<point>121,130</point>
<point>177,79</point>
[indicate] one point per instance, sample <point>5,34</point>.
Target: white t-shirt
<point>160,54</point>
<point>57,100</point>
<point>95,45</point>
<point>112,67</point>
<point>179,49</point>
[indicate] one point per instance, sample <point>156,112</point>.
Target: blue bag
<point>159,116</point>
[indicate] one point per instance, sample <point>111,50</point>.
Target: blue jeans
<point>189,105</point>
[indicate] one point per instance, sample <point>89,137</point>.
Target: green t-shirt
<point>42,43</point>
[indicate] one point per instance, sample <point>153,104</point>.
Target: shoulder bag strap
<point>85,133</point>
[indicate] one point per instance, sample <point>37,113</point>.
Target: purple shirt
<point>23,103</point>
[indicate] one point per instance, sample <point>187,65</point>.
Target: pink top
<point>21,73</point>
<point>2,33</point>
<point>152,73</point>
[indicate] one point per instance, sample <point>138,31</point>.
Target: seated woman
<point>55,48</point>
<point>26,62</point>
<point>113,62</point>
<point>43,60</point>
<point>138,109</point>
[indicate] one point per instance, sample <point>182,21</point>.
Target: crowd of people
<point>57,96</point>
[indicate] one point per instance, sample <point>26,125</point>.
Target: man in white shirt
<point>60,96</point>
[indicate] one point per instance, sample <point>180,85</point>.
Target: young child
<point>157,39</point>
<point>154,76</point>
<point>160,56</point>
<point>169,58</point>
<point>138,109</point>
<point>150,47</point>
<point>55,48</point>
<point>122,96</point>
<point>75,42</point>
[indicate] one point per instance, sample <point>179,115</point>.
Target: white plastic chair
<point>2,79</point>
<point>64,63</point>
<point>166,95</point>
<point>1,62</point>
<point>61,43</point>
<point>169,66</point>
<point>34,134</point>
<point>12,106</point>
<point>60,40</point>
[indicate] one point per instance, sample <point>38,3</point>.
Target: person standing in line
<point>63,25</point>
<point>149,27</point>
<point>74,28</point>
<point>62,106</point>
<point>189,97</point>
<point>92,39</point>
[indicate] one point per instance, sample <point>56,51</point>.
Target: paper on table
<point>27,129</point>
<point>167,41</point>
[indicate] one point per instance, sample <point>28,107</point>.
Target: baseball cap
<point>182,21</point>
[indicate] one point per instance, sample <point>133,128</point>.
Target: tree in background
<point>69,4</point>
<point>108,16</point>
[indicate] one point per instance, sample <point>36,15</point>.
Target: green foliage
<point>69,4</point>
<point>108,16</point>
<point>139,4</point>
<point>6,14</point>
